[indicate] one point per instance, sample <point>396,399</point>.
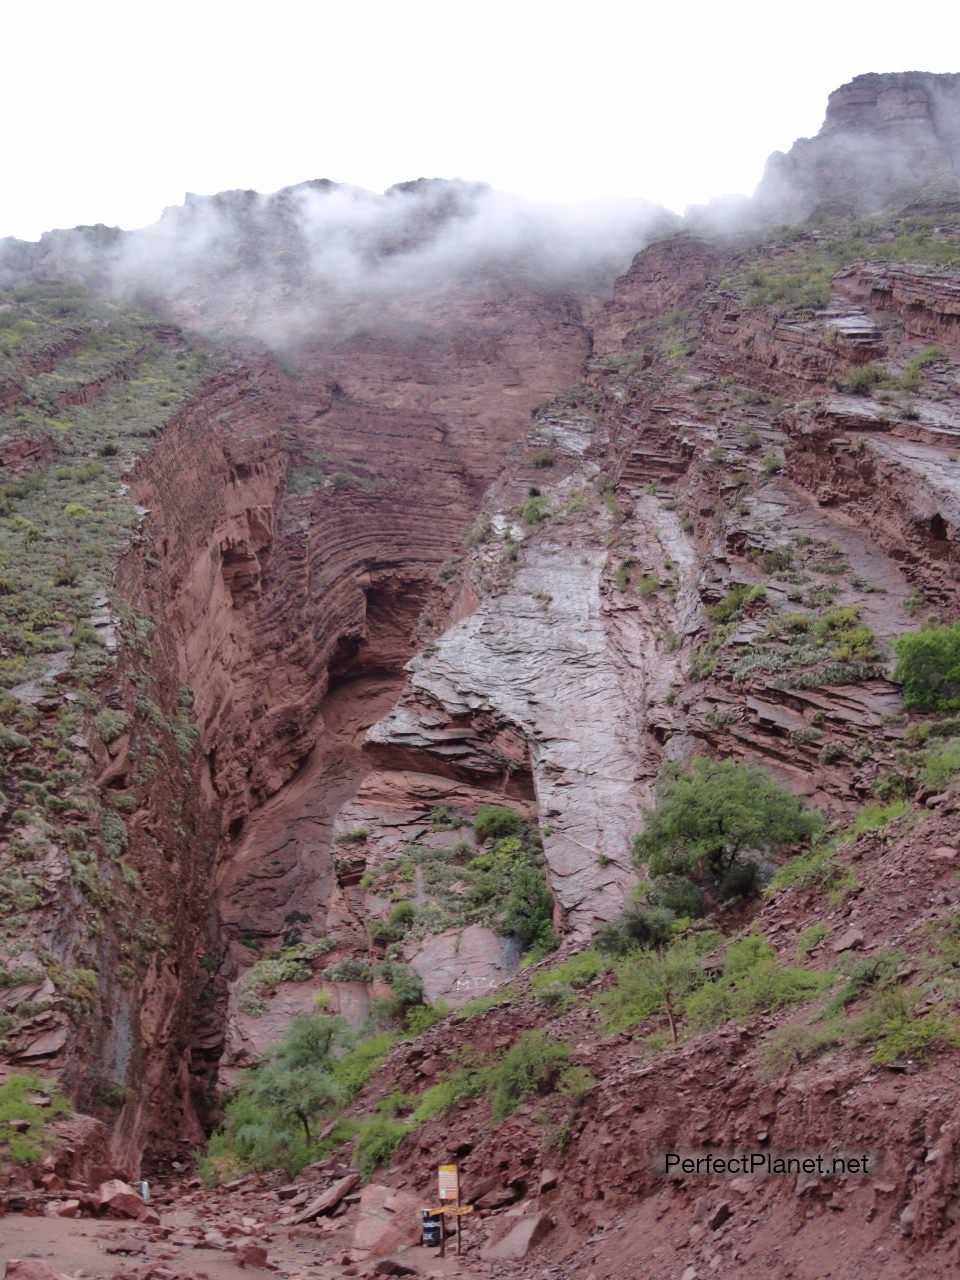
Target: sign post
<point>448,1188</point>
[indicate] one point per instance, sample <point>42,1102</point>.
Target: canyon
<point>321,572</point>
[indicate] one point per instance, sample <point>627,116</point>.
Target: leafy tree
<point>297,1082</point>
<point>928,667</point>
<point>710,816</point>
<point>294,1093</point>
<point>671,975</point>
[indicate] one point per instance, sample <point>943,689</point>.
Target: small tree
<point>710,816</point>
<point>928,667</point>
<point>294,1093</point>
<point>297,1082</point>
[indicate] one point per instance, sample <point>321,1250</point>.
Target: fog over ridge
<point>274,266</point>
<point>280,267</point>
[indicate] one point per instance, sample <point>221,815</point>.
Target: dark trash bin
<point>432,1230</point>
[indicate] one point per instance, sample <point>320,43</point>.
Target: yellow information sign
<point>449,1182</point>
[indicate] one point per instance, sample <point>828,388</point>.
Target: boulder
<point>388,1219</point>
<point>459,964</point>
<point>328,1200</point>
<point>497,1198</point>
<point>31,1269</point>
<point>850,938</point>
<point>250,1254</point>
<point>524,1235</point>
<point>118,1199</point>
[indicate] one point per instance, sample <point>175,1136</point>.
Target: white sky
<point>113,110</point>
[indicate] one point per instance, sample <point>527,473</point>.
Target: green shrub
<point>928,355</point>
<point>740,880</point>
<point>810,938</point>
<point>863,973</point>
<point>356,835</point>
<point>736,599</point>
<point>534,1063</point>
<point>377,1138</point>
<point>404,983</point>
<point>818,868</point>
<point>753,981</point>
<point>795,1043</point>
<point>941,762</point>
<point>558,986</point>
<point>535,510</point>
<point>679,895</point>
<point>480,1005</point>
<point>847,638</point>
<point>493,821</point>
<point>11,740</point>
<point>776,560</point>
<point>893,1024</point>
<point>110,724</point>
<point>22,1122</point>
<point>506,883</point>
<point>928,668</point>
<point>863,379</point>
<point>651,981</point>
<point>419,1017</point>
<point>349,970</point>
<point>635,927</point>
<point>262,980</point>
<point>354,1068</point>
<point>396,926</point>
<point>875,817</point>
<point>449,569</point>
<point>529,908</point>
<point>670,641</point>
<point>467,1081</point>
<point>403,913</point>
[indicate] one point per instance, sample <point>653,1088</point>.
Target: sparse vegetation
<point>558,987</point>
<point>895,1025</point>
<point>817,869</point>
<point>676,983</point>
<point>28,1102</point>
